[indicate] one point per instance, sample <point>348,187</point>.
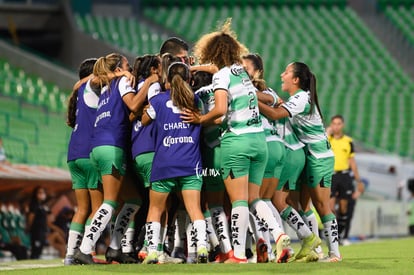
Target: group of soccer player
<point>206,153</point>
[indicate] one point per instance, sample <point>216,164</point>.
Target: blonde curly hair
<point>220,48</point>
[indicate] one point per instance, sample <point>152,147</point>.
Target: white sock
<point>257,227</point>
<point>191,241</point>
<point>331,230</point>
<point>99,221</point>
<point>127,242</point>
<point>199,227</point>
<point>121,224</point>
<point>74,238</point>
<point>275,213</point>
<point>310,218</point>
<point>152,235</point>
<point>295,221</point>
<point>211,233</point>
<point>221,226</point>
<point>263,212</point>
<point>266,236</point>
<point>239,225</point>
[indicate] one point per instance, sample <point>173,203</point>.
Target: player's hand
<point>190,117</point>
<point>130,77</point>
<point>153,78</point>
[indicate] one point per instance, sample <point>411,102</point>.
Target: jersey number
<point>251,101</point>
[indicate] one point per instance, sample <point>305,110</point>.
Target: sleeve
<point>352,149</point>
<point>124,87</point>
<point>273,94</point>
<point>151,111</point>
<point>296,104</point>
<point>90,98</point>
<point>153,90</point>
<point>221,80</point>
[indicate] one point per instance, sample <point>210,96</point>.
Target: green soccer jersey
<point>211,134</point>
<point>308,127</point>
<point>269,125</point>
<point>285,130</point>
<point>243,112</point>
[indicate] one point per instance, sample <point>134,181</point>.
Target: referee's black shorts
<point>342,185</point>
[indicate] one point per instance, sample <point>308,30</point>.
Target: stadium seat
<point>402,16</point>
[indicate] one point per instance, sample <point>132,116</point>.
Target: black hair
<point>201,79</point>
<point>174,46</point>
<point>338,117</point>
<point>143,65</point>
<point>86,67</point>
<point>307,82</point>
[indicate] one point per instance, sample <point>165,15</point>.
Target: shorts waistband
<point>341,172</point>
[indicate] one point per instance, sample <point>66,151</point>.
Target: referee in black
<point>343,191</point>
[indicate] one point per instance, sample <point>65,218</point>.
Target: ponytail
<point>72,105</point>
<point>314,95</point>
<point>307,82</point>
<point>105,66</point>
<point>182,95</point>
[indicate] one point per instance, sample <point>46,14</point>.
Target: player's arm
<point>360,188</point>
<point>273,113</point>
<point>265,98</point>
<point>212,117</point>
<point>135,101</point>
<point>209,68</point>
<point>148,115</point>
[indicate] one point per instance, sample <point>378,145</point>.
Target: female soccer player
<point>276,164</point>
<point>109,147</point>
<point>177,160</point>
<point>210,153</point>
<point>88,190</point>
<point>243,144</point>
<point>303,110</point>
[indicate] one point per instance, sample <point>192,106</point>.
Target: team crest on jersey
<point>236,70</point>
<point>174,108</point>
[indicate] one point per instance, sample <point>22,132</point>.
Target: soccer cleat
<point>69,260</point>
<point>308,244</point>
<point>114,255</point>
<point>142,254</point>
<point>178,252</point>
<point>332,258</point>
<point>202,255</point>
<point>222,257</point>
<point>311,257</point>
<point>152,258</point>
<point>96,259</point>
<point>82,258</point>
<point>283,249</point>
<point>261,252</point>
<point>213,254</point>
<point>164,258</point>
<point>234,260</point>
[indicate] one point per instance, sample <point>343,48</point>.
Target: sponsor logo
<point>169,140</point>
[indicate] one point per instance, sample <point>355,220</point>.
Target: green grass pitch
<point>390,256</point>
